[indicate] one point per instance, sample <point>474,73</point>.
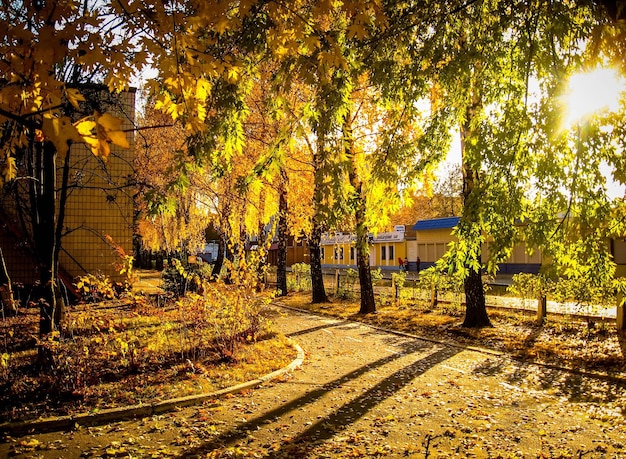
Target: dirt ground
<point>362,392</point>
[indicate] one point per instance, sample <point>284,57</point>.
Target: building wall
<point>429,246</point>
<point>385,250</point>
<point>297,252</point>
<point>101,206</point>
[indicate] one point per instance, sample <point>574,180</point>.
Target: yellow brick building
<point>99,207</point>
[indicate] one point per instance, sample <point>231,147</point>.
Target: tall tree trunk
<point>219,260</point>
<point>60,306</point>
<point>368,303</point>
<point>475,309</point>
<point>42,193</point>
<point>222,244</point>
<point>318,292</point>
<point>44,229</point>
<point>281,269</point>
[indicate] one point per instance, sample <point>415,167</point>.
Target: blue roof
<point>436,223</point>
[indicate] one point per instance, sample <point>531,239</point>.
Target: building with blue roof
<point>436,223</point>
<point>432,237</point>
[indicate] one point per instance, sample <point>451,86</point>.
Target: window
<point>383,252</point>
<point>351,253</point>
<point>391,252</point>
<point>322,253</point>
<point>341,253</point>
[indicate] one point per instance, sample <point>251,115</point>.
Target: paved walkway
<point>367,393</point>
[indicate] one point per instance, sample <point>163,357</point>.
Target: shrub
<point>94,288</point>
<point>345,288</point>
<point>377,275</point>
<point>530,286</point>
<point>439,283</point>
<point>302,274</point>
<point>179,279</point>
<point>225,315</point>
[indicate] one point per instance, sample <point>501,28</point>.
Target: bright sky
<point>593,92</point>
<point>588,93</point>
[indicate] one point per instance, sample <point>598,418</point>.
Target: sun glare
<point>593,92</point>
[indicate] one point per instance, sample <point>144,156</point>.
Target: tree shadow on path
<point>314,329</point>
<point>339,419</point>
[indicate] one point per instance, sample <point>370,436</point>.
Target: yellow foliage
<point>85,127</point>
<point>74,97</point>
<point>9,169</point>
<point>60,131</point>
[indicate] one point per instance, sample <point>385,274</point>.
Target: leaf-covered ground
<point>366,393</point>
<point>119,354</point>
<point>562,340</point>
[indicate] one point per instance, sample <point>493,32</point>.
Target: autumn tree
<point>436,195</point>
<point>580,148</point>
<point>482,61</point>
<point>170,213</point>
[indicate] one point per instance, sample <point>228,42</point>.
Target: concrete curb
<point>590,374</point>
<point>141,410</point>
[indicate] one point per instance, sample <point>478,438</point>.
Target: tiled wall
<point>100,203</point>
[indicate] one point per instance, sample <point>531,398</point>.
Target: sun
<point>593,92</point>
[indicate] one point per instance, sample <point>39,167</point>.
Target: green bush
<point>301,273</point>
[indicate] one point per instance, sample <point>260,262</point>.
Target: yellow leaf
<point>203,88</point>
<point>32,443</point>
<point>357,30</point>
<point>222,26</point>
<point>60,131</point>
<point>85,127</point>
<point>9,169</point>
<point>201,112</point>
<point>312,42</point>
<point>74,97</point>
<point>119,138</point>
<point>108,122</point>
<point>103,150</point>
<point>233,74</point>
<point>93,143</point>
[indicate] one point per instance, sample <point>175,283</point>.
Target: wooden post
<point>337,281</point>
<point>542,308</point>
<point>621,316</point>
<point>397,288</point>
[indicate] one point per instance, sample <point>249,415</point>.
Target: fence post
<point>621,316</point>
<point>337,281</point>
<point>542,308</point>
